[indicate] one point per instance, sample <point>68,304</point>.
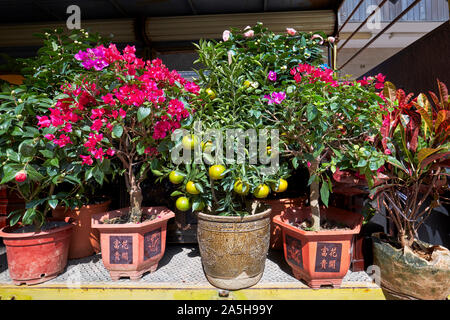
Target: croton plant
<point>415,136</point>
<point>120,107</point>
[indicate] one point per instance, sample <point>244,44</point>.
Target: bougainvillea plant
<point>123,107</point>
<point>415,136</point>
<point>329,123</point>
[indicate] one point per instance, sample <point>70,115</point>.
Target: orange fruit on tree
<point>216,171</point>
<point>261,191</point>
<point>183,204</point>
<point>175,177</point>
<point>282,186</point>
<point>191,188</point>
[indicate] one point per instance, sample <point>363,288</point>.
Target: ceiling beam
<point>191,4</point>
<point>45,10</point>
<point>119,8</point>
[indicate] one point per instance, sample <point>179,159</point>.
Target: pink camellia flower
<point>226,35</point>
<point>317,36</point>
<point>308,164</point>
<point>87,160</point>
<point>21,176</point>
<point>331,39</point>
<point>249,34</point>
<point>272,76</point>
<point>291,31</point>
<point>49,136</point>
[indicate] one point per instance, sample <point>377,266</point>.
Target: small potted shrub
<point>329,124</point>
<point>415,135</point>
<point>120,108</point>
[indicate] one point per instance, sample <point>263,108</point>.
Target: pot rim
<point>164,214</point>
<point>246,218</point>
<point>284,223</point>
<point>10,235</point>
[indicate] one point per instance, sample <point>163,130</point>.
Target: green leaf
<point>53,203</point>
<point>311,112</point>
<point>324,193</point>
<point>117,131</point>
<point>176,193</point>
<point>8,174</point>
<point>143,113</point>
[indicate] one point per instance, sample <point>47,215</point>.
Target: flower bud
<point>21,176</point>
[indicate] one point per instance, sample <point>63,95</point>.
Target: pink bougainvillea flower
<point>43,122</point>
<point>62,141</point>
<point>122,113</point>
<point>49,136</point>
<point>87,160</point>
<point>275,97</point>
<point>110,152</point>
<point>380,77</point>
<point>272,76</point>
<point>97,125</point>
<point>98,154</point>
<point>249,34</point>
<point>226,35</point>
<point>291,31</point>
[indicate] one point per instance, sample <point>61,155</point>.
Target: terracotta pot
<point>36,257</point>
<point>130,250</point>
<point>406,276</point>
<point>9,201</point>
<point>357,263</point>
<point>85,241</point>
<point>2,221</point>
<point>318,257</point>
<point>234,249</point>
<point>278,207</point>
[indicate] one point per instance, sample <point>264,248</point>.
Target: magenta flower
<point>272,76</point>
<point>86,159</point>
<point>276,97</point>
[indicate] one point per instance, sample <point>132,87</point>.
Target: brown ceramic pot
<point>131,249</point>
<point>318,257</point>
<point>406,276</point>
<point>85,241</point>
<point>234,249</point>
<point>278,207</point>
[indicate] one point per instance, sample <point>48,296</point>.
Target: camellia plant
<point>31,166</point>
<point>329,123</point>
<point>415,136</point>
<point>120,107</point>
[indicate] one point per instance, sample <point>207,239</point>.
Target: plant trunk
<point>135,202</point>
<point>314,199</point>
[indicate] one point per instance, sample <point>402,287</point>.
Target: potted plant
<point>122,108</point>
<point>415,135</point>
<point>33,169</point>
<point>267,58</point>
<point>329,123</point>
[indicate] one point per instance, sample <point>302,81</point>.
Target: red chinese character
<point>332,264</point>
<point>333,252</point>
<point>125,244</point>
<point>117,256</point>
<point>125,256</point>
<point>323,264</point>
<point>116,244</point>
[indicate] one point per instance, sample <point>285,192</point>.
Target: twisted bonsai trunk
<point>135,200</point>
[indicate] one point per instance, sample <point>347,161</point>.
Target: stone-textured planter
<point>234,249</point>
<point>85,241</point>
<point>131,249</point>
<point>36,257</point>
<point>318,257</point>
<point>278,207</point>
<point>404,275</point>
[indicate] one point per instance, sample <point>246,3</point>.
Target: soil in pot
<point>319,257</point>
<point>35,257</point>
<point>408,276</point>
<point>132,249</point>
<point>233,249</point>
<point>85,241</point>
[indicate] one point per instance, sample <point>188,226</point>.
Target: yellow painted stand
<point>165,291</point>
